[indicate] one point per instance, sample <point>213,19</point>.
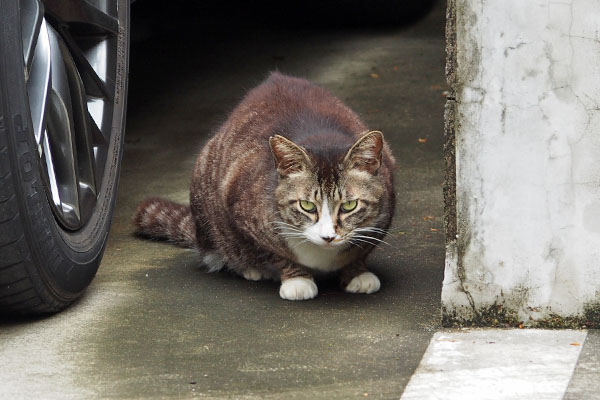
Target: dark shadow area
<point>15,320</point>
<point>190,15</point>
<point>191,38</point>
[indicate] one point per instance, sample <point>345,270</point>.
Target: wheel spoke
<point>100,153</point>
<point>96,113</point>
<point>50,174</point>
<point>62,151</point>
<point>83,138</point>
<point>38,83</point>
<point>32,15</point>
<point>94,84</point>
<point>100,125</point>
<point>61,128</point>
<point>81,12</point>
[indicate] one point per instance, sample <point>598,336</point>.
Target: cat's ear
<point>289,157</point>
<point>365,154</point>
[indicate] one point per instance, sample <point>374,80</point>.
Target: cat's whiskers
<point>371,229</point>
<point>370,239</point>
<point>288,231</point>
<point>354,243</point>
<point>301,242</point>
<point>284,225</point>
<point>292,235</point>
<point>280,223</point>
<point>376,231</point>
<point>365,241</point>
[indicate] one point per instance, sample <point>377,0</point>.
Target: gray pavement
<point>154,325</point>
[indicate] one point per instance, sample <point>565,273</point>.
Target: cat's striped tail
<point>163,219</point>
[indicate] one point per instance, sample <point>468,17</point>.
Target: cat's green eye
<point>308,206</point>
<point>349,205</point>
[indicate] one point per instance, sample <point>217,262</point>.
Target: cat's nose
<point>328,239</point>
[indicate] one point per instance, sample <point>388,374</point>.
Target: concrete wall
<point>523,163</point>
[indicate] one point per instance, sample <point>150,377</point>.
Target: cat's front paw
<point>367,282</point>
<point>298,289</point>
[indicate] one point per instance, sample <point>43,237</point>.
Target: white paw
<point>252,274</point>
<point>298,289</point>
<point>367,282</point>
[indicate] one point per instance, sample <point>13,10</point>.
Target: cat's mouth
<point>329,243</point>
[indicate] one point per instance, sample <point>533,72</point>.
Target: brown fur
<point>247,178</point>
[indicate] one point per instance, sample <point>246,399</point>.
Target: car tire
<point>58,186</point>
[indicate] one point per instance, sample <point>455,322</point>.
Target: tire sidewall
<point>61,263</point>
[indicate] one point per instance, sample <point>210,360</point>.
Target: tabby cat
<point>292,185</point>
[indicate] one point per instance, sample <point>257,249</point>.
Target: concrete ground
<point>154,325</point>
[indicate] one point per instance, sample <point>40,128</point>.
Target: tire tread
<point>16,287</point>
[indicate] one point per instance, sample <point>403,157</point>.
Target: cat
<point>291,186</point>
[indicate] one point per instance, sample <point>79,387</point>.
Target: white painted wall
<point>527,158</point>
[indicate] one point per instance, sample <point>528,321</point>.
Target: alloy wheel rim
<point>70,62</point>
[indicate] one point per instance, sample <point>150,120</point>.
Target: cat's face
<point>330,203</point>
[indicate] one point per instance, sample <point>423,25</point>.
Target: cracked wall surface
<point>522,191</point>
